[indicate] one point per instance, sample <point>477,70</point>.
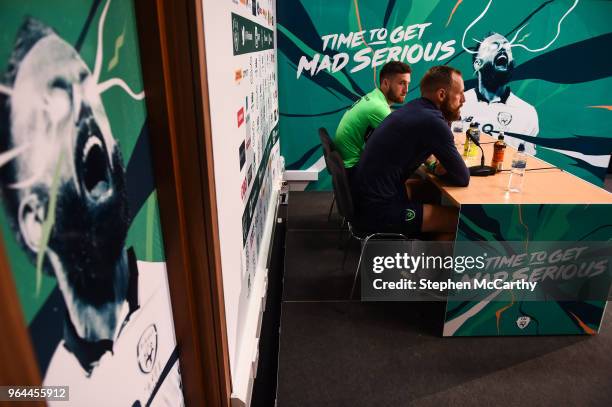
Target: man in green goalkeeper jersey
<point>367,113</point>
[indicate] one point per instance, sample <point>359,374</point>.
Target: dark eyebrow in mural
<point>61,83</point>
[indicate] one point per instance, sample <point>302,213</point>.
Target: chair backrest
<point>326,141</point>
<point>341,184</point>
<point>328,146</point>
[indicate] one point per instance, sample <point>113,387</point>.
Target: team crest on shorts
<point>410,215</point>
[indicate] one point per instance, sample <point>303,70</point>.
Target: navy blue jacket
<point>398,146</point>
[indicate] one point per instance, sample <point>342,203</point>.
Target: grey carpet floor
<point>338,352</point>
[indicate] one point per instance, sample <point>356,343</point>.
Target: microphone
<point>481,170</point>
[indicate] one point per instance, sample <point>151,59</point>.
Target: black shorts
<point>396,217</point>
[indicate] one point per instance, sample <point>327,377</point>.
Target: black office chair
<point>328,147</point>
<point>326,141</point>
<point>344,199</point>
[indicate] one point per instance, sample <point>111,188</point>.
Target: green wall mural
<point>546,59</point>
<point>509,312</point>
<point>79,215</point>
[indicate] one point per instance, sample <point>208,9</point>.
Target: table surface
<point>549,186</point>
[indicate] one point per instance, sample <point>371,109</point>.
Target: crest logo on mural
<point>147,349</point>
<point>523,321</point>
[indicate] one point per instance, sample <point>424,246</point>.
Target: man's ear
<point>31,217</point>
<point>384,85</point>
<point>477,64</point>
<point>441,94</point>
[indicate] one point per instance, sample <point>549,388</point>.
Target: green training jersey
<point>365,114</point>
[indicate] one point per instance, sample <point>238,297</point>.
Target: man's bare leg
<point>440,221</point>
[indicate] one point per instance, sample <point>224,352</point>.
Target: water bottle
<point>517,173</point>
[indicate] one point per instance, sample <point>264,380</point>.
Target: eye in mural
<point>74,214</point>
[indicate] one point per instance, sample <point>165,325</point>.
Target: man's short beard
<point>450,115</point>
<point>492,79</point>
<point>396,99</point>
<point>89,239</point>
<point>392,97</point>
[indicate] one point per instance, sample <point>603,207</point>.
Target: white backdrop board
<point>241,65</point>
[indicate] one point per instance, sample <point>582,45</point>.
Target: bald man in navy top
<point>417,133</point>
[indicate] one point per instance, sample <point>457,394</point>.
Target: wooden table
<point>550,186</point>
<point>564,206</point>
